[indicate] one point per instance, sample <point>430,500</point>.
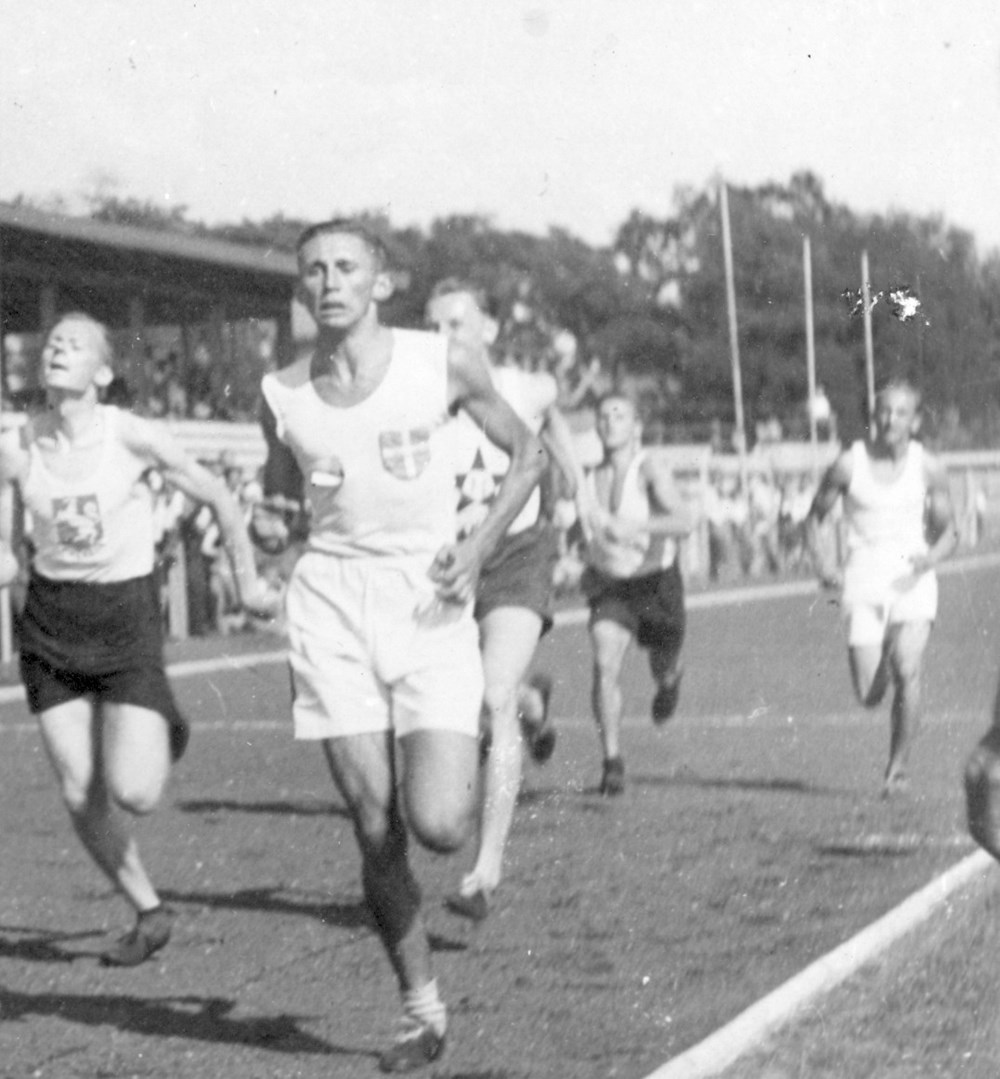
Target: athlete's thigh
<point>610,641</point>
<point>136,750</point>
<point>440,781</point>
<point>363,769</point>
<point>70,739</point>
<point>508,637</point>
<point>907,643</point>
<point>865,662</point>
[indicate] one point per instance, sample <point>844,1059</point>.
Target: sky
<point>565,113</point>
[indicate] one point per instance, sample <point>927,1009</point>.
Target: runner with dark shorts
<point>515,587</point>
<point>91,649</point>
<point>632,581</point>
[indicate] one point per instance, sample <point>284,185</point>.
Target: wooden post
<point>6,618</point>
<point>734,344</point>
<point>866,303</point>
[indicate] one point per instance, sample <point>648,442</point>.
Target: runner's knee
<point>442,827</point>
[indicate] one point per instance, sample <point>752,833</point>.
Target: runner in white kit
<point>899,526</point>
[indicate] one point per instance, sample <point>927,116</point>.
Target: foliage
<point>652,305</point>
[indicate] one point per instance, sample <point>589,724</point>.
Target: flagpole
<point>810,354</point>
<point>739,436</point>
<point>866,306</point>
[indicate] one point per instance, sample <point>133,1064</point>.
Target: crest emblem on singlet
<point>405,454</point>
<point>77,520</point>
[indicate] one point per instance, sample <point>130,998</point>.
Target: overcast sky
<point>569,112</point>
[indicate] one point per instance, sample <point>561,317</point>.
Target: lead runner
<point>384,648</point>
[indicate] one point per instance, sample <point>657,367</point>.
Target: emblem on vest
<point>405,454</point>
<point>77,521</point>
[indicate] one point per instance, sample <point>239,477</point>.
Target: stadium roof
<point>102,268</point>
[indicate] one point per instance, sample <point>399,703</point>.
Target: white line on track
<point>749,1028</point>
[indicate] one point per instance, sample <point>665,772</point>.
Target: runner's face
<point>73,356</point>
<point>459,318</point>
<point>339,279</point>
<point>895,415</point>
<point>616,424</point>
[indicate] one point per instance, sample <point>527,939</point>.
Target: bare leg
<point>509,636</point>
<point>870,671</point>
<point>905,647</point>
<point>126,764</point>
<point>610,642</point>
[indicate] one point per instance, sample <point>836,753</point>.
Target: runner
<point>899,526</point>
<point>514,596</point>
<point>384,648</point>
<point>91,652</point>
<point>633,581</point>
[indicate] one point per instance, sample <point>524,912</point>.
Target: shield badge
<point>77,521</point>
<point>405,454</point>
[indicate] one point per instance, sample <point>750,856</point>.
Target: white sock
<point>426,1006</point>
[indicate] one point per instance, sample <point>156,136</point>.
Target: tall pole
<point>810,354</point>
<point>740,437</point>
<point>866,305</point>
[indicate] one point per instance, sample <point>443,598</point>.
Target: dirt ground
<point>750,841</point>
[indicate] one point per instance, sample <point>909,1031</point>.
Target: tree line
<point>651,305</point>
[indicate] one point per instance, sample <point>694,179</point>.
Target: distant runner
<point>633,581</point>
<point>899,526</point>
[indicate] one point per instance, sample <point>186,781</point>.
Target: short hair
<point>900,382</point>
<point>448,286</point>
<point>352,226</point>
<point>105,347</point>
<point>619,393</point>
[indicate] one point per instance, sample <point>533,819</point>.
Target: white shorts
<point>373,649</point>
<point>872,603</point>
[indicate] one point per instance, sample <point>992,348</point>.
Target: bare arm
<point>941,529</point>
<point>671,515</point>
<point>270,526</point>
<point>155,444</point>
<point>833,485</point>
<point>13,462</point>
<point>456,568</point>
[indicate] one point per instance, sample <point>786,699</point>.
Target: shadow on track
<point>276,900</point>
<point>777,784</point>
<point>203,1019</point>
<point>42,946</point>
<point>291,809</point>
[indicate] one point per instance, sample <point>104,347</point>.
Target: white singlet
<point>885,530</point>
<point>480,465</point>
<point>627,559</point>
<point>98,528</point>
<point>372,646</point>
<point>378,475</point>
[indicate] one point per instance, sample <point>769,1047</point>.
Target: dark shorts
<point>651,608</point>
<point>103,641</point>
<point>519,573</point>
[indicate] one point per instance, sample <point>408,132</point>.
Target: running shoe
<point>613,777</point>
<point>665,701</point>
<point>150,933</point>
<point>541,734</point>
<point>475,907</point>
<point>416,1045</point>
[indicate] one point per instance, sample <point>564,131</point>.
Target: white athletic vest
<point>379,477</point>
<point>480,465</point>
<point>627,560</point>
<point>99,528</point>
<point>885,521</point>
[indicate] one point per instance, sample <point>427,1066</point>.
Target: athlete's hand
<point>921,563</point>
<point>831,580</point>
<point>982,793</point>
<point>270,523</point>
<point>262,600</point>
<point>455,572</point>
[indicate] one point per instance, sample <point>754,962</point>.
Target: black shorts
<point>103,641</point>
<point>519,573</point>
<point>651,608</point>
